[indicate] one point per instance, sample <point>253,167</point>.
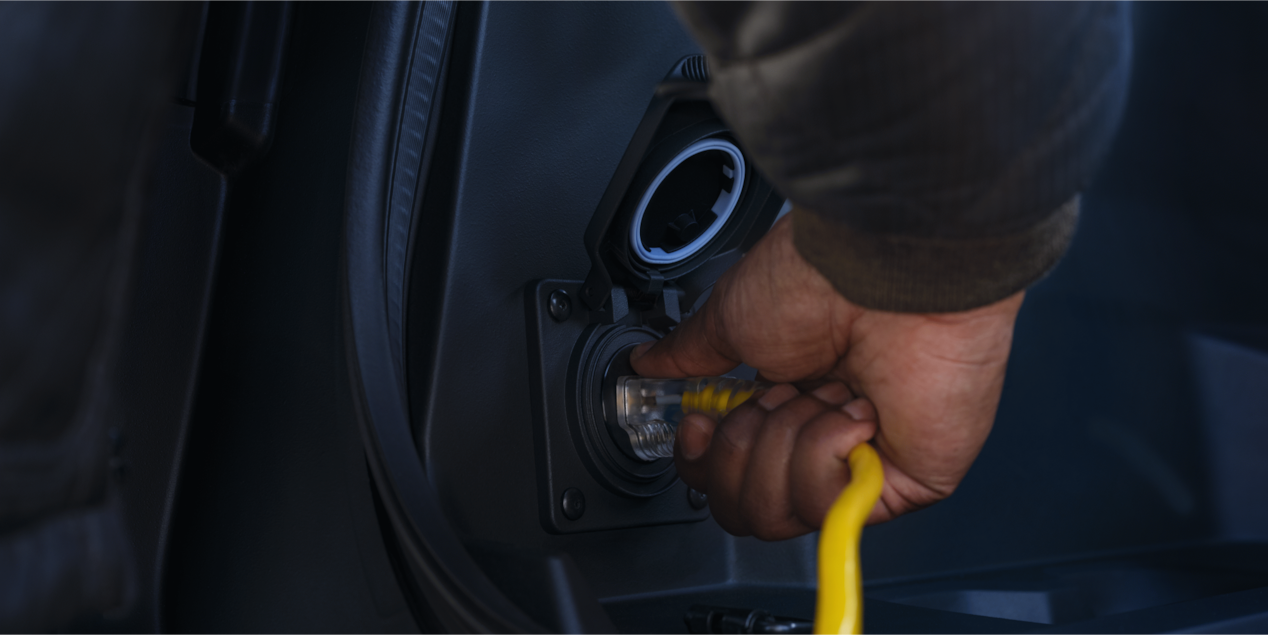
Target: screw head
<point>573,503</point>
<point>560,305</point>
<point>697,500</point>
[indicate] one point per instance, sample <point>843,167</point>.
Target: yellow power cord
<point>839,608</point>
<point>716,397</point>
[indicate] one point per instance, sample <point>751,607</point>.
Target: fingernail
<point>777,396</point>
<point>857,410</point>
<point>833,393</point>
<point>691,449</point>
<point>640,350</point>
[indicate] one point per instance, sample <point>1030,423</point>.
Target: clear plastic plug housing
<point>649,410</point>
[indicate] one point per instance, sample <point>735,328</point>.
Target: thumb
<point>696,348</point>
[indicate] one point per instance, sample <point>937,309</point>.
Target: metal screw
<point>574,503</point>
<point>560,305</point>
<point>696,499</point>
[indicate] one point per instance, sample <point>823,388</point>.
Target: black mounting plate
<point>560,466</point>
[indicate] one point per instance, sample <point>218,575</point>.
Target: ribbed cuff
<point>932,275</point>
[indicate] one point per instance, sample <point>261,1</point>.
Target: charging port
<point>602,357</point>
<point>688,202</point>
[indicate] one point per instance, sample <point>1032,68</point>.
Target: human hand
<point>929,384</point>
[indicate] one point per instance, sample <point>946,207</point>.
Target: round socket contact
<point>688,202</point>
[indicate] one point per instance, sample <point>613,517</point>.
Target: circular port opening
<point>688,202</point>
<point>602,357</point>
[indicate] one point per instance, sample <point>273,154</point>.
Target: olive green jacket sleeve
<point>934,152</point>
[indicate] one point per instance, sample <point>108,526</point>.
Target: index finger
<point>695,349</point>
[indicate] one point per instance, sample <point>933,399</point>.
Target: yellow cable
<point>839,608</point>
